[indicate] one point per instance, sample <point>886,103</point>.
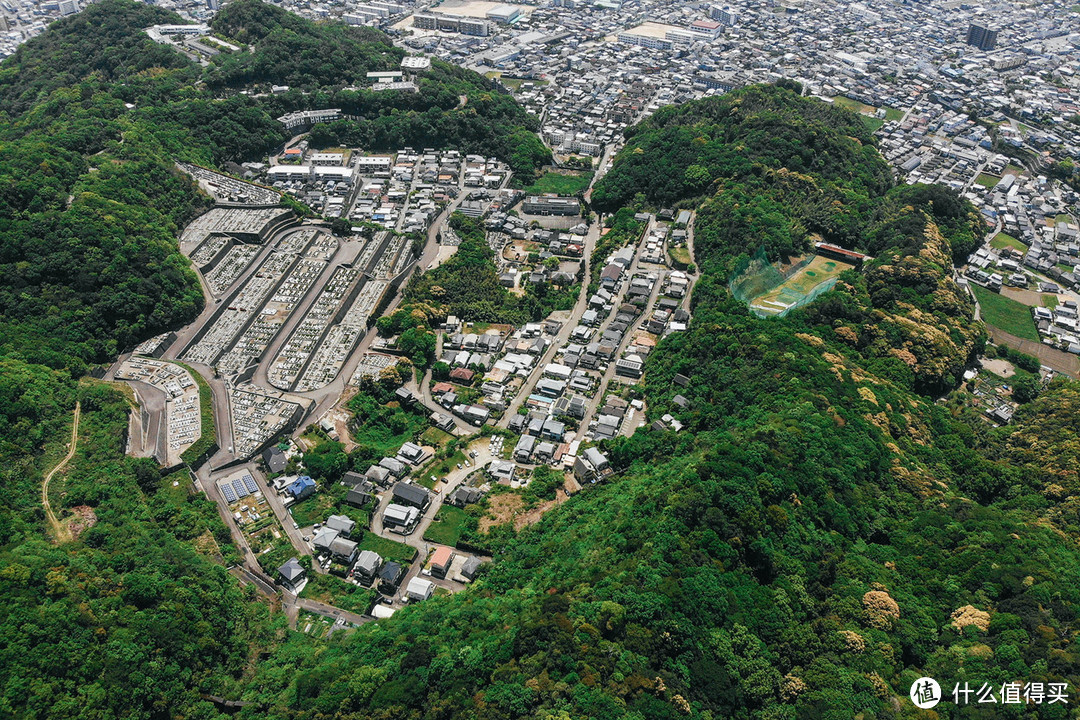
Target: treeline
<point>326,65</point>
<point>96,113</point>
<point>128,619</point>
<point>290,50</point>
<point>681,150</point>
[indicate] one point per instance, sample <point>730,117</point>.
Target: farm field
<point>1004,240</point>
<point>1005,313</point>
<point>560,183</point>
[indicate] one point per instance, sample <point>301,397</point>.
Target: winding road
<point>59,531</point>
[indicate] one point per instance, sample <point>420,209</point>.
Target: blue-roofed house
<point>301,487</point>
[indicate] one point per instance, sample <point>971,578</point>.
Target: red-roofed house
<point>440,561</point>
<point>462,374</point>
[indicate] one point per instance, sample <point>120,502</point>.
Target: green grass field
<point>873,124</point>
<point>1004,240</point>
<point>987,180</point>
<point>314,509</point>
<point>208,437</point>
<point>893,114</point>
<point>1050,301</point>
<point>680,255</point>
<point>334,591</point>
<point>854,105</point>
<point>448,527</point>
<point>387,549</point>
<point>1063,217</point>
<point>1006,314</point>
<point>560,183</point>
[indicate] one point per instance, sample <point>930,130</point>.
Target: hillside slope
<point>818,536</point>
<point>137,617</point>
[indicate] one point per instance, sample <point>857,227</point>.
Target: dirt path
<point>60,532</point>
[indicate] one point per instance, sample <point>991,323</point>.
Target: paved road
<point>693,259</point>
<point>423,394</point>
<point>561,339</point>
<point>334,613</point>
<point>454,478</point>
<point>295,535</point>
<point>609,374</point>
<point>153,437</point>
<point>346,253</point>
<point>582,304</point>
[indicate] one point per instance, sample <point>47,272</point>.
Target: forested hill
<point>94,114</point>
<point>136,617</point>
<point>820,534</point>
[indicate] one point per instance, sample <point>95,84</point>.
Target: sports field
<point>795,290</point>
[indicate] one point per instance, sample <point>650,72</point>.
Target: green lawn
<point>872,123</point>
<point>388,549</point>
<point>681,255</point>
<point>987,180</point>
<point>439,468</point>
<point>448,526</point>
<point>560,183</point>
<point>1005,313</point>
<point>208,437</point>
<point>1063,217</point>
<point>893,114</point>
<point>1050,301</point>
<point>435,437</point>
<point>854,105</point>
<point>334,591</point>
<point>314,509</point>
<point>1004,240</point>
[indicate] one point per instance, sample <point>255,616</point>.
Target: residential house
<point>275,459</point>
<point>396,468</point>
<point>591,465</point>
<point>344,525</point>
<point>343,550</point>
<point>367,566</point>
<point>524,449</point>
<point>292,576</point>
<point>401,518</point>
<point>378,475</point>
<point>323,539</point>
<point>411,495</point>
<point>412,454</point>
<point>301,488</point>
<point>441,560</point>
<point>419,589</point>
<point>471,567</point>
<point>390,576</point>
